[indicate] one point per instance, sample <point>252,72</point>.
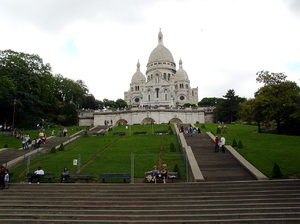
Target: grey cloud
<point>53,16</point>
<point>293,6</point>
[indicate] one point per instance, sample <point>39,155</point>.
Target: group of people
<point>189,130</point>
<point>106,123</point>
<point>155,173</point>
<point>219,143</point>
<point>4,178</point>
<point>39,173</point>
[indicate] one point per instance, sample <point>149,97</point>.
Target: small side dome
<point>138,77</point>
<point>181,73</point>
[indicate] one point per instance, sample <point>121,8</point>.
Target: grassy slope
<point>112,154</point>
<point>262,149</point>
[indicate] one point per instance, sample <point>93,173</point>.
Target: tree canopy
<point>38,94</point>
<point>227,110</point>
<point>278,100</point>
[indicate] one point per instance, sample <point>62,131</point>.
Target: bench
<point>80,176</point>
<point>121,176</point>
<point>48,176</point>
<point>140,133</point>
<point>98,134</point>
<point>171,175</point>
<point>120,133</point>
<point>161,132</point>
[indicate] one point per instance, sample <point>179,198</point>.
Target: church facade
<point>163,84</point>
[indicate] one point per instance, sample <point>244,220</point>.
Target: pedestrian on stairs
<point>222,143</point>
<point>217,141</point>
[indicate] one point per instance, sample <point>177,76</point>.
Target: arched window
<point>157,92</point>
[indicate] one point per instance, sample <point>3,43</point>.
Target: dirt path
<point>95,156</point>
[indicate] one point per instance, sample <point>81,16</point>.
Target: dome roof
<point>160,53</point>
<point>181,73</point>
<point>138,77</point>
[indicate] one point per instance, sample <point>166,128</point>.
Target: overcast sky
<point>222,43</point>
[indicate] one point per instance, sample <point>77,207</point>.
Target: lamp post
<point>13,120</point>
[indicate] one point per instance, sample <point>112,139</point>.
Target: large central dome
<point>160,53</point>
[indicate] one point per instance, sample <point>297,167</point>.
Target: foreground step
<point>209,202</point>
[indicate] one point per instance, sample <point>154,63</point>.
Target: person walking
<point>217,141</point>
<point>222,143</point>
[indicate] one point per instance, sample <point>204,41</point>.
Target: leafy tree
<point>252,110</point>
<point>34,93</point>
<point>210,101</point>
<point>269,78</point>
<point>29,82</point>
<point>121,103</point>
<point>90,102</point>
<point>280,102</point>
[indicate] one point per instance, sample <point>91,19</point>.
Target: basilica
<point>163,84</point>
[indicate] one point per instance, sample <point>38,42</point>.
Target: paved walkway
<point>10,154</point>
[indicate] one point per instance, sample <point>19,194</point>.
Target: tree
<point>269,78</point>
<point>39,96</point>
<point>29,81</point>
<point>121,103</point>
<point>227,110</point>
<point>251,110</point>
<point>280,102</point>
<point>210,101</point>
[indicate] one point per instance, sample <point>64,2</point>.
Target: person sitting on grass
<point>153,174</point>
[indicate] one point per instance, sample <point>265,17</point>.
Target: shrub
<point>171,132</point>
<point>85,134</point>
<point>234,144</point>
<point>172,147</point>
<point>61,147</point>
<point>176,169</point>
<point>218,130</point>
<point>240,145</point>
<point>53,150</point>
<point>203,126</point>
<point>276,171</point>
<point>5,146</point>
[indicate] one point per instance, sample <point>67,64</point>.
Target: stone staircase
<point>206,202</point>
<point>215,166</point>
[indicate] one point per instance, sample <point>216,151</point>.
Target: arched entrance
<point>121,122</point>
<point>148,120</point>
<point>175,120</point>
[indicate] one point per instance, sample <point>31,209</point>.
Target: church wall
<point>136,116</point>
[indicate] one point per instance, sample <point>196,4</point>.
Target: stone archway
<point>148,120</point>
<point>175,120</point>
<point>121,122</point>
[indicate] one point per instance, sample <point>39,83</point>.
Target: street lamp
<point>13,120</point>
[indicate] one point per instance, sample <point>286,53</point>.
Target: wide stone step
<point>155,211</point>
<point>209,202</point>
<point>152,216</point>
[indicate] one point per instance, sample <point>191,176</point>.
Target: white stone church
<point>163,84</point>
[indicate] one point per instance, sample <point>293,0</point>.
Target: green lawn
<point>263,149</point>
<point>118,154</point>
<point>112,154</point>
